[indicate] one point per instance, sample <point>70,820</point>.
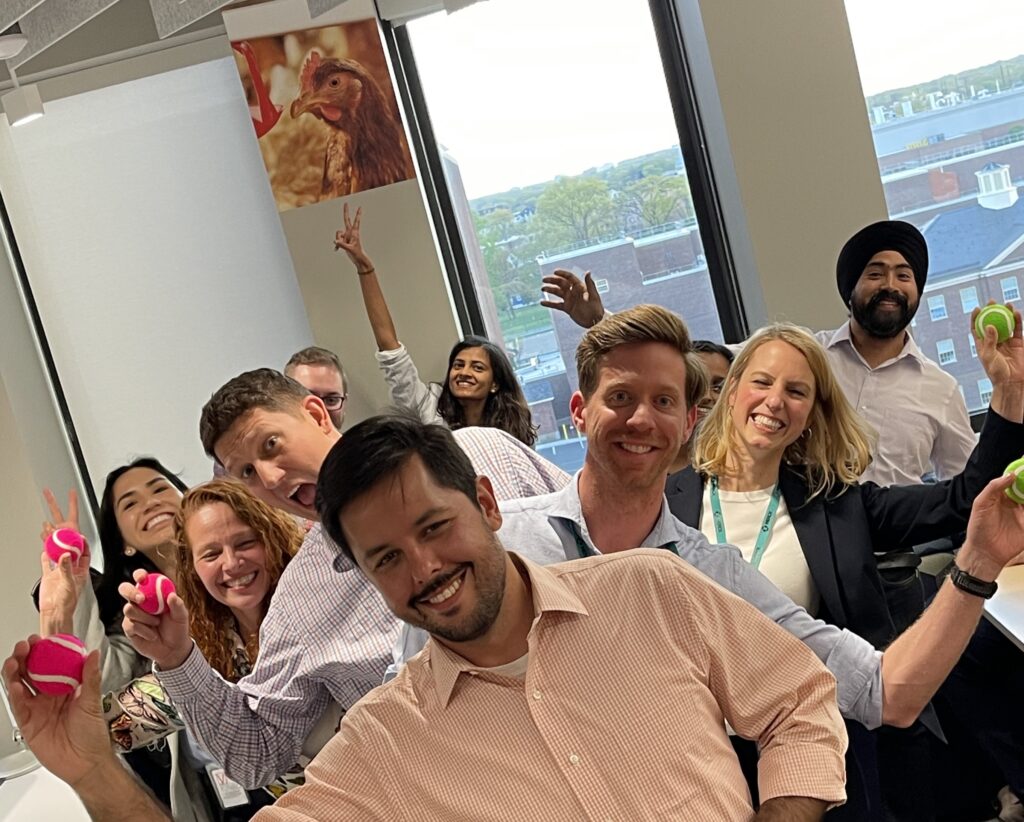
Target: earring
<point>494,389</point>
<point>129,551</point>
<point>807,432</point>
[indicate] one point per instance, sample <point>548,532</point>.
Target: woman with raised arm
<point>480,387</point>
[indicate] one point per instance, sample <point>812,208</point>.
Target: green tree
<point>575,209</point>
<point>656,200</point>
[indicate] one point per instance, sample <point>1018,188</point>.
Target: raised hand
<point>67,734</point>
<point>578,299</point>
<point>1003,362</point>
<point>60,585</point>
<point>349,241</point>
<point>995,532</point>
<point>164,638</point>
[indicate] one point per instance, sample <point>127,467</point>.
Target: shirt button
<point>574,759</point>
<point>536,694</point>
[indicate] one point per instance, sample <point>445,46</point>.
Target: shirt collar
<point>843,335</point>
<point>566,505</point>
<point>550,594</point>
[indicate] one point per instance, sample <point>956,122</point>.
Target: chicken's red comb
<point>306,78</point>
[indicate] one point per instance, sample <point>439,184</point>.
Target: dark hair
<point>315,355</point>
<point>378,448</point>
<point>263,388</point>
<point>505,409</point>
<point>117,567</point>
<point>711,347</point>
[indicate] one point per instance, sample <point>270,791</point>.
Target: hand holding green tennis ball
<point>998,316</point>
<point>1016,491</point>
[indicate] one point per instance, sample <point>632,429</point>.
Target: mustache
<point>888,294</point>
<point>438,583</point>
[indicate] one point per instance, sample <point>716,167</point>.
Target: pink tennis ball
<point>156,588</point>
<point>65,541</point>
<point>55,664</point>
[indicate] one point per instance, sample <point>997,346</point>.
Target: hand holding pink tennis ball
<point>65,541</point>
<point>54,664</point>
<point>156,588</point>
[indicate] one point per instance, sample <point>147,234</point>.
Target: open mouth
<point>158,520</point>
<point>635,448</point>
<point>304,495</point>
<point>768,425</point>
<point>240,582</point>
<point>443,597</point>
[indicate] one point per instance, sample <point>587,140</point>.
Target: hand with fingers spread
<point>579,299</point>
<point>67,733</point>
<point>60,584</point>
<point>1004,364</point>
<point>349,241</point>
<point>164,638</point>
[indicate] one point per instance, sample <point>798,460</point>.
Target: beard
<point>489,580</point>
<point>881,323</point>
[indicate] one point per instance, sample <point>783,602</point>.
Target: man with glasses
<point>320,371</point>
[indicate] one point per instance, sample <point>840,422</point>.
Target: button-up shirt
<point>552,528</point>
<point>636,661</point>
<point>916,408</point>
<point>327,636</point>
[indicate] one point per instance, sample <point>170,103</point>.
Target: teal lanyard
<point>585,549</point>
<point>766,524</point>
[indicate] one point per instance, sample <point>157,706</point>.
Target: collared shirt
<point>635,663</point>
<point>327,636</point>
<point>544,530</point>
<point>915,407</point>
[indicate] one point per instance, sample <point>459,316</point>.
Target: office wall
<point>791,144</point>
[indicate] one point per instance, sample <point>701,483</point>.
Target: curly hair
<point>210,621</point>
<point>506,408</point>
<point>838,448</point>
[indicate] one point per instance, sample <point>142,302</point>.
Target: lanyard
<point>585,549</point>
<point>765,533</point>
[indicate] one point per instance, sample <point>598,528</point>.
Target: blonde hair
<point>210,621</point>
<point>640,324</point>
<point>836,447</point>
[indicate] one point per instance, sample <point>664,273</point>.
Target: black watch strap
<point>972,585</point>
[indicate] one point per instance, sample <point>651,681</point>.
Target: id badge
<point>229,793</point>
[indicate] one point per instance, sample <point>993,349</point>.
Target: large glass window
<point>946,106</point>
<point>947,352</point>
<point>560,151</point>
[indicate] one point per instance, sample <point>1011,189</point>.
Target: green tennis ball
<point>998,316</point>
<point>1016,491</point>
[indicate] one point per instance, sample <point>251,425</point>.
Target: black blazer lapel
<point>685,493</point>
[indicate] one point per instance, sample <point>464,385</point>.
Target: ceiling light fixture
<point>22,104</point>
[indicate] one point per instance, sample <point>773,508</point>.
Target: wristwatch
<point>972,585</point>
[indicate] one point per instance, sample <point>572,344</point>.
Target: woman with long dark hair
<point>480,387</point>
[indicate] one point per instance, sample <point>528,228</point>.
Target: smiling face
<point>145,503</point>
<point>773,400</point>
<point>885,298</point>
<point>431,552</point>
<point>637,417</point>
<point>278,454</point>
<point>229,557</point>
<point>471,376</point>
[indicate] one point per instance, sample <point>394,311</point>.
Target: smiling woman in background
<point>480,387</point>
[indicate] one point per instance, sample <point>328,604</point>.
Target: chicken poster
<point>324,111</point>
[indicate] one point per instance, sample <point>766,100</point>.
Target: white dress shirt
<point>915,407</point>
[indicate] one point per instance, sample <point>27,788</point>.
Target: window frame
<point>1016,287</point>
<point>951,351</point>
<point>692,143</point>
<point>973,289</point>
<point>941,298</point>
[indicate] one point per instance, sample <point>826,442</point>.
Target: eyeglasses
<point>333,402</point>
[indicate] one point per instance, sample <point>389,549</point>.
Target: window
<point>948,163</point>
<point>937,307</point>
<point>985,391</point>
<point>974,346</point>
<point>613,198</point>
<point>947,352</point>
<point>969,299</point>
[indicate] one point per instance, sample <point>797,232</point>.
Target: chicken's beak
<point>300,105</point>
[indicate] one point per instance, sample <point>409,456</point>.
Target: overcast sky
<point>517,103</point>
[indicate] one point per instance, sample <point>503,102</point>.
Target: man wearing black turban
<point>914,405</point>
